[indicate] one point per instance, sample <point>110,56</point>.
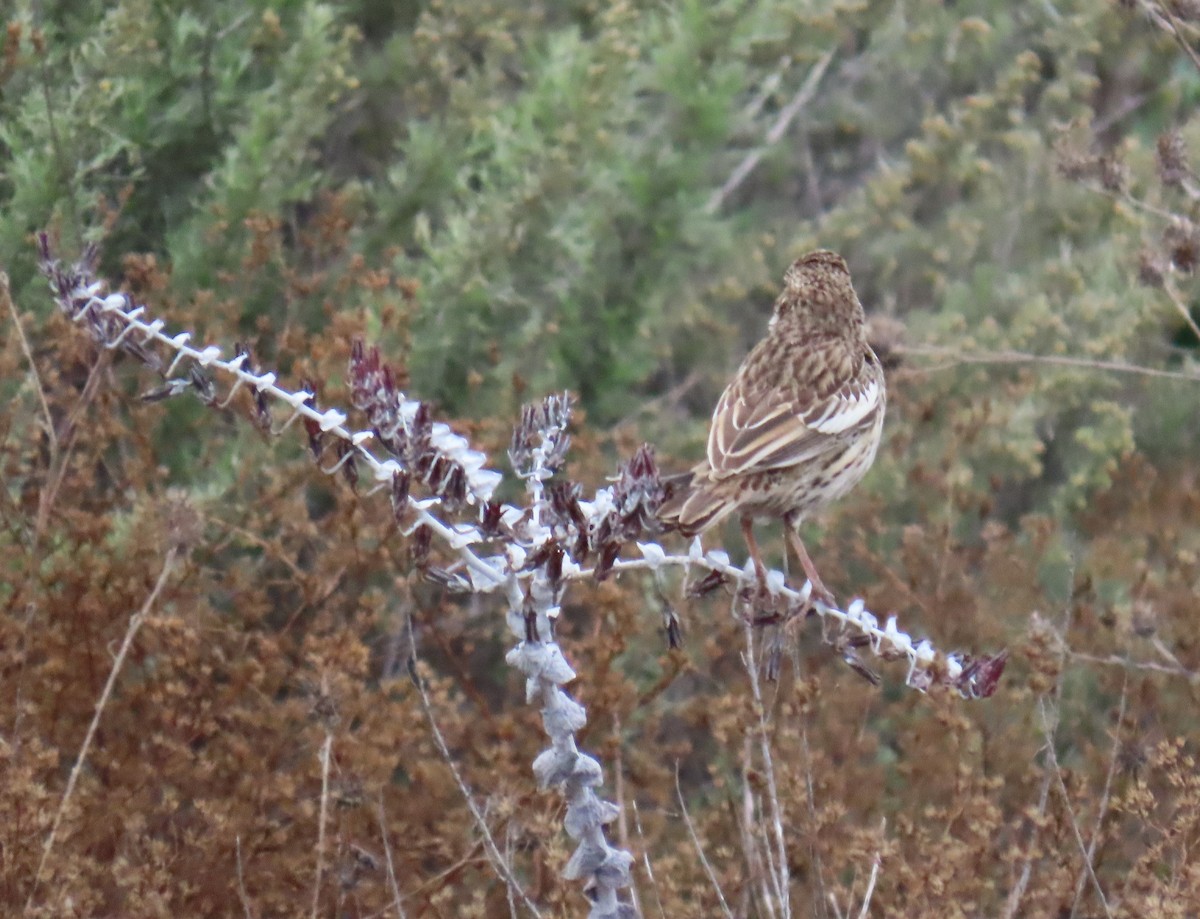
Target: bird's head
<point>818,297</point>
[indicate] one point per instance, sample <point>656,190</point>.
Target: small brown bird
<point>799,425</point>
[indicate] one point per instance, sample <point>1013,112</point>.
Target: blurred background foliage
<point>537,185</point>
<point>514,197</point>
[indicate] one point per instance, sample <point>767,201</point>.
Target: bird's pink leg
<point>810,570</point>
<point>752,545</point>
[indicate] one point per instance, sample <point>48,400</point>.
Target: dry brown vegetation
<point>228,685</point>
<point>274,624</point>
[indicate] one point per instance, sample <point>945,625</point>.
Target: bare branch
<point>704,862</point>
<point>135,623</point>
<point>787,115</point>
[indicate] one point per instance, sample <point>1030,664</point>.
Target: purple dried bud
<point>538,556</point>
<point>579,548</point>
<point>707,584</point>
<point>531,631</point>
<point>454,583</point>
<point>422,539</point>
<point>420,431</point>
<point>608,558</point>
<point>540,440</point>
<point>554,564</point>
<point>520,450</point>
<point>445,478</point>
<point>564,508</point>
<point>602,532</point>
<point>315,437</point>
<point>312,427</point>
<point>673,628</point>
<point>133,348</point>
<point>638,494</point>
<point>453,490</point>
<point>359,372</point>
<point>855,663</point>
<point>400,487</point>
<point>489,518</point>
<point>394,441</point>
<point>642,464</point>
<point>262,412</point>
<point>980,678</point>
<point>170,388</point>
<point>203,385</point>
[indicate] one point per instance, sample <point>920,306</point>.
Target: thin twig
<point>704,863</point>
<point>57,474</point>
<point>637,822</point>
<point>1102,812</point>
<point>509,848</point>
<point>743,818</point>
<point>6,300</point>
<point>489,842</point>
<point>754,839</point>
<point>955,357</point>
<point>1184,311</point>
<point>1122,197</point>
<point>619,794</point>
<point>811,799</point>
<point>326,755</point>
<point>781,874</point>
<point>397,900</point>
<point>1161,15</point>
<point>1062,790</point>
<point>135,623</point>
<point>1116,660</point>
<point>767,90</point>
<point>870,892</point>
<point>786,116</point>
<point>1013,903</point>
<point>241,880</point>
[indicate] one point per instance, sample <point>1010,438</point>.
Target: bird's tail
<point>690,506</point>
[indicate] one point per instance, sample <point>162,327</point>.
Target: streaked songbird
<point>799,425</point>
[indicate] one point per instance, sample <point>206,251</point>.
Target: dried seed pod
<point>422,538</point>
<point>707,584</point>
<point>490,519</point>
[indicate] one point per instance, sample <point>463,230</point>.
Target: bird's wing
<point>756,431</point>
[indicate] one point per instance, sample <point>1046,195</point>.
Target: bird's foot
<point>822,593</point>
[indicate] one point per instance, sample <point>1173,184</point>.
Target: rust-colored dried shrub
<point>265,744</point>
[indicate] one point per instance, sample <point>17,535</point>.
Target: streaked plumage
<point>799,425</point>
